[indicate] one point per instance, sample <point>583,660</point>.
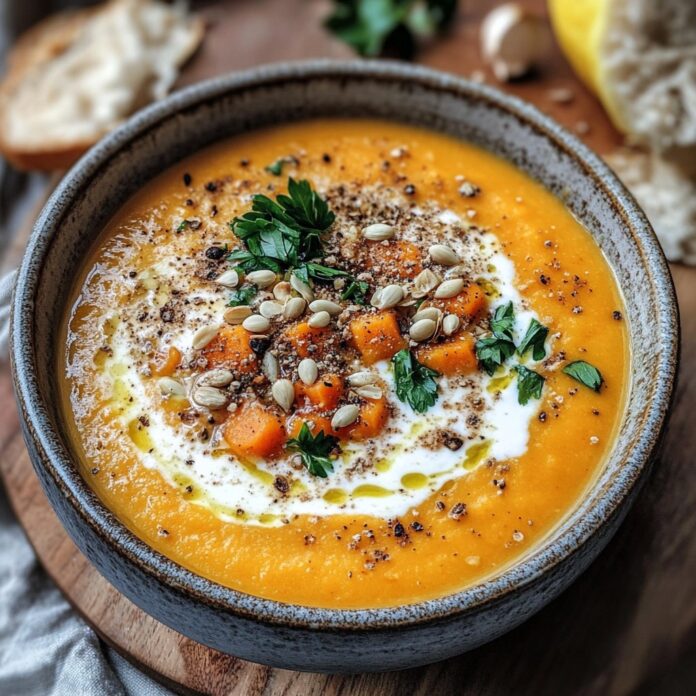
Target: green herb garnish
<point>282,234</point>
<point>356,291</point>
<point>242,296</point>
<point>503,321</point>
<point>529,384</point>
<point>534,340</point>
<point>318,272</point>
<point>276,168</point>
<point>586,374</point>
<point>415,383</point>
<point>305,206</point>
<point>492,352</point>
<point>314,450</point>
<point>375,27</point>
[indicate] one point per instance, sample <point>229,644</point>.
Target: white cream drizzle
<point>396,483</point>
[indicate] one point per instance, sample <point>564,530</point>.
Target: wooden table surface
<point>627,626</point>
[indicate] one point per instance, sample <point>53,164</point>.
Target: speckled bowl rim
<point>556,548</point>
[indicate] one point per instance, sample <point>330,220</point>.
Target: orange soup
<point>344,363</point>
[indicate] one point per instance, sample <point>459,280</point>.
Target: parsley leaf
<point>374,27</point>
<point>281,234</point>
<point>534,339</point>
<point>415,383</point>
<point>305,206</point>
<point>276,168</point>
<point>492,352</point>
<point>356,290</point>
<point>314,450</point>
<point>503,321</point>
<point>529,384</point>
<point>318,272</point>
<point>242,296</point>
<point>586,374</point>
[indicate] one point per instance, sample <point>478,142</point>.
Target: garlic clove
<point>512,40</point>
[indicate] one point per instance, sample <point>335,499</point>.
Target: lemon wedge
<point>639,57</point>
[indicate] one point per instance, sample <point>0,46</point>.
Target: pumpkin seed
<point>284,393</point>
<point>301,287</point>
<point>344,416</point>
<point>319,320</point>
<point>204,336</point>
<point>218,377</point>
<point>270,309</point>
<point>256,323</point>
<point>294,307</point>
<point>360,379</point>
<point>428,313</point>
<point>449,288</point>
<point>282,290</point>
<point>325,306</point>
<point>376,297</point>
<point>444,255</point>
<point>391,296</point>
<point>422,330</point>
<point>425,281</point>
<point>210,397</point>
<point>236,315</point>
<point>270,366</point>
<point>450,324</point>
<point>308,371</point>
<point>378,232</point>
<point>171,387</point>
<point>369,391</point>
<point>262,279</point>
<point>228,279</point>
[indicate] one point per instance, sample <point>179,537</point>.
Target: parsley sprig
<point>494,350</point>
<point>415,383</point>
<point>242,296</point>
<point>287,235</point>
<point>375,27</point>
<point>356,291</point>
<point>284,233</point>
<point>314,450</point>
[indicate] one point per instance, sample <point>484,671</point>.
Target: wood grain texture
<point>627,626</point>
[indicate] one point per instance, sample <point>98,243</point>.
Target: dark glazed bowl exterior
<point>298,637</point>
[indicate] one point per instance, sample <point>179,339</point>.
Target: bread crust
<point>39,45</point>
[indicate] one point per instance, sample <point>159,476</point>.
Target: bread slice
<point>76,75</point>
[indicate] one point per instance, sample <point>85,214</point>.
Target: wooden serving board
<point>627,626</point>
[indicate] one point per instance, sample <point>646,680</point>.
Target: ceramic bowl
<point>298,637</point>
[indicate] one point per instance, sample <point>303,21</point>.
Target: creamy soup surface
<point>344,363</point>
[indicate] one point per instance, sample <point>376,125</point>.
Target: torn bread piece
<point>77,75</point>
<point>664,184</point>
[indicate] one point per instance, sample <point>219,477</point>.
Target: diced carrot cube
<point>302,336</point>
<point>455,357</point>
<point>377,336</point>
<point>396,258</point>
<point>231,348</point>
<point>372,419</point>
<point>316,423</point>
<point>254,431</point>
<point>467,305</point>
<point>324,394</point>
